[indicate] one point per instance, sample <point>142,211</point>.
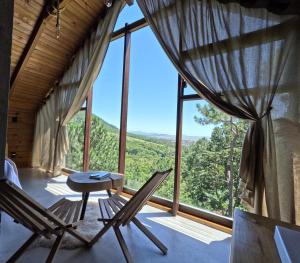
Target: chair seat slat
<point>77,211</point>
<point>117,202</point>
<point>120,199</point>
<point>70,213</point>
<point>103,212</point>
<point>62,210</point>
<point>56,205</point>
<point>108,209</point>
<point>113,206</point>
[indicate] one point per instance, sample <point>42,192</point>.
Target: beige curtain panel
<point>51,138</point>
<point>244,61</point>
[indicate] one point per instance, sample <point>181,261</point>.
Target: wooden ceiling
<point>39,59</point>
<point>46,57</point>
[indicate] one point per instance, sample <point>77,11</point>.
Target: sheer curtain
<point>51,138</point>
<point>239,59</point>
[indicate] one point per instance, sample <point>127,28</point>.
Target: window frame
<point>175,207</point>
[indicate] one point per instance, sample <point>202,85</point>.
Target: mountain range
<point>162,137</point>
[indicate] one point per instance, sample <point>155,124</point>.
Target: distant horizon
<point>141,132</point>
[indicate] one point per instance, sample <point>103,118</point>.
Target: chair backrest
<point>135,204</point>
<point>26,211</point>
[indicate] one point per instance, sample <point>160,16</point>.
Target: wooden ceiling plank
<point>36,74</point>
<point>45,63</point>
<point>57,42</point>
<point>54,50</point>
<point>41,49</point>
<point>37,30</point>
<point>33,40</point>
<point>90,10</point>
<point>76,13</point>
<point>31,6</point>
<point>20,38</point>
<point>25,25</point>
<point>68,27</point>
<point>55,46</point>
<point>40,55</point>
<point>24,13</point>
<point>94,4</point>
<point>17,43</point>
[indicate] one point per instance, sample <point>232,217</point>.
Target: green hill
<point>204,167</point>
<point>80,116</point>
<point>144,155</point>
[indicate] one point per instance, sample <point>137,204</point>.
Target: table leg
<point>108,192</point>
<point>85,198</point>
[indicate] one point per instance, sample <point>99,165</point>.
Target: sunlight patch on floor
<point>60,189</point>
<point>192,229</point>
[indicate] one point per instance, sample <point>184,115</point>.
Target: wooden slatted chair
<point>116,211</point>
<point>58,219</point>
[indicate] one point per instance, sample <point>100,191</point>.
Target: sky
<point>152,98</point>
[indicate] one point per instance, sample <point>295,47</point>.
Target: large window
<point>210,161</point>
<point>74,158</point>
<point>128,15</point>
<point>104,138</point>
<point>211,140</point>
<point>151,113</point>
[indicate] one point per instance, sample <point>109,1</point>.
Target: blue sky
<point>152,87</point>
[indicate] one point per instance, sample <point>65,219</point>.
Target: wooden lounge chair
<point>54,221</point>
<point>116,211</point>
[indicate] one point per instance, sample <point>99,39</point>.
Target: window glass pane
<point>84,104</point>
<point>129,15</point>
<point>74,157</point>
<point>151,113</point>
<point>210,162</point>
<point>188,90</point>
<point>106,110</point>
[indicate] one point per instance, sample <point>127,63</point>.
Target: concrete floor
<point>186,240</point>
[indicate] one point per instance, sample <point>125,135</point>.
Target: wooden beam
<point>178,146</point>
<point>124,105</point>
<point>191,97</point>
<point>6,25</point>
<point>87,131</point>
<point>38,29</point>
<point>129,28</point>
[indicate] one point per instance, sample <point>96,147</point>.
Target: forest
<point>209,169</point>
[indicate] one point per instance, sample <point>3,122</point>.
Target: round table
<point>81,182</point>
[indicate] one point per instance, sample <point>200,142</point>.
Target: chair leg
<point>21,250</point>
<point>74,233</point>
<point>101,233</point>
<point>123,245</point>
<point>153,238</point>
<point>55,248</point>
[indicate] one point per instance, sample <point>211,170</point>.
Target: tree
<point>103,145</point>
<point>212,164</point>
